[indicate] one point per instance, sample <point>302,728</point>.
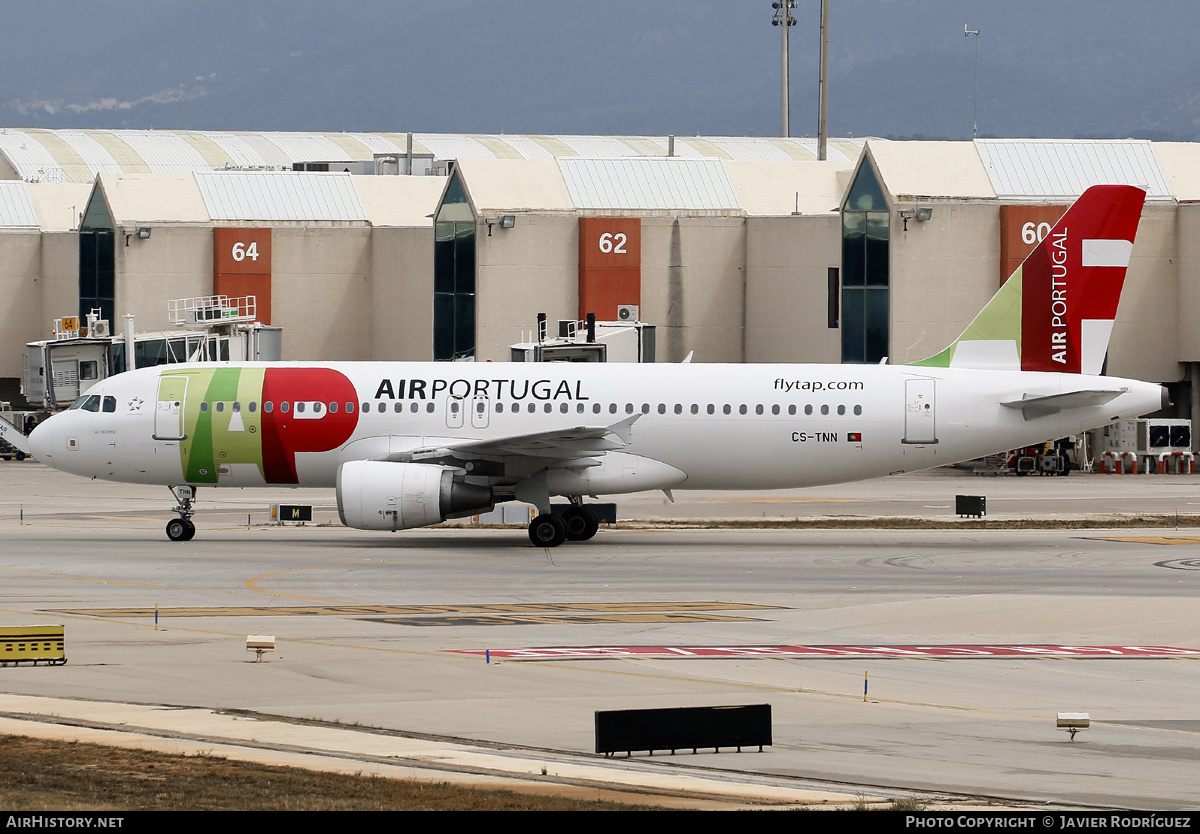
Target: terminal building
<point>446,247</point>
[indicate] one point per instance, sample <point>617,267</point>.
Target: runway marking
<point>561,619</point>
<point>944,652</point>
<point>1148,539</point>
<point>611,608</point>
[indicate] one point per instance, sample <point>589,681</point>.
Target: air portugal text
<point>1058,297</point>
<point>497,389</point>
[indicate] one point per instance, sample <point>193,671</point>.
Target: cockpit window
<point>91,402</point>
<point>110,405</point>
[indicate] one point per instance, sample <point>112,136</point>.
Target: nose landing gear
<point>182,529</point>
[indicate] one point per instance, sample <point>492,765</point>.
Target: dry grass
<point>38,775</point>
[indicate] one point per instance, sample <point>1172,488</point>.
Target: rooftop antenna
<point>975,123</point>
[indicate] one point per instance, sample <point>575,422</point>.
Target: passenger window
<point>532,408</point>
<point>857,410</point>
<point>612,408</point>
<point>595,408</point>
<point>499,408</point>
<point>429,407</point>
<point>678,408</point>
<point>824,409</point>
<point>774,409</point>
<point>237,406</point>
<point>382,407</point>
<point>398,407</point>
<point>741,409</point>
<point>628,408</point>
<point>792,410</point>
<point>349,408</point>
<point>299,407</point>
<point>366,408</point>
<point>758,409</point>
<point>695,408</point>
<point>808,409</point>
<point>414,407</point>
<point>515,408</point>
<point>332,408</point>
<point>252,406</point>
<point>726,409</point>
<point>221,407</point>
<point>841,410</point>
<point>662,408</point>
<point>711,408</point>
<point>285,407</point>
<point>645,408</point>
<point>563,408</point>
<point>548,408</point>
<point>579,408</point>
<point>268,406</point>
<point>203,407</point>
<point>317,408</point>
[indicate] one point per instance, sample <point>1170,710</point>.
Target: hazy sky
<point>897,67</point>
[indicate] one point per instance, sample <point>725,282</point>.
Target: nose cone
<point>41,442</point>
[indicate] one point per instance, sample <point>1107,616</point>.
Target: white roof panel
<point>650,184</point>
<point>164,154</point>
<point>280,196</point>
<point>16,209</point>
<point>1062,169</point>
<point>449,146</point>
<point>527,148</point>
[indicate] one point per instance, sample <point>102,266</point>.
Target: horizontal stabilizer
<point>1033,405</point>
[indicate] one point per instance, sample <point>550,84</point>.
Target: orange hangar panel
<point>610,265</point>
<point>1021,228</point>
<point>242,266</point>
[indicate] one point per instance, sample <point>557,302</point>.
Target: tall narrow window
<point>454,276</point>
<point>865,315</point>
<point>97,260</point>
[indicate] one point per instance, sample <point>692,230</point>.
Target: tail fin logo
<point>1056,311</point>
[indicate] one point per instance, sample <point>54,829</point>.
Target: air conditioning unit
<point>627,312</point>
<point>100,330</point>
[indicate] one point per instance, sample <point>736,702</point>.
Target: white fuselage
<point>719,426</point>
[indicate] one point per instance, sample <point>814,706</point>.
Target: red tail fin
<point>1071,283</point>
<point>1055,313</point>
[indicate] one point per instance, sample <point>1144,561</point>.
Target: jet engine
<point>377,495</point>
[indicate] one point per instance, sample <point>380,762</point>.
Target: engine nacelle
<point>378,495</point>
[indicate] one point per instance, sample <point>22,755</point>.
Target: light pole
<point>975,123</point>
<point>784,18</point>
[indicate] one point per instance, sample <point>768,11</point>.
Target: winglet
<point>1055,313</point>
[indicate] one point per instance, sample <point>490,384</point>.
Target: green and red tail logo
<point>1055,313</point>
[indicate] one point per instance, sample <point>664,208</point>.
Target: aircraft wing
<point>1040,405</point>
<point>574,447</point>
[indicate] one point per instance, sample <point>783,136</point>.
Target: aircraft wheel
<point>177,529</point>
<point>581,524</point>
<point>547,531</point>
<point>191,530</point>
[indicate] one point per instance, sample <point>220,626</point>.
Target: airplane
<point>406,445</point>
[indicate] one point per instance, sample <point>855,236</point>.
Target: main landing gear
<point>181,529</point>
<point>577,524</point>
